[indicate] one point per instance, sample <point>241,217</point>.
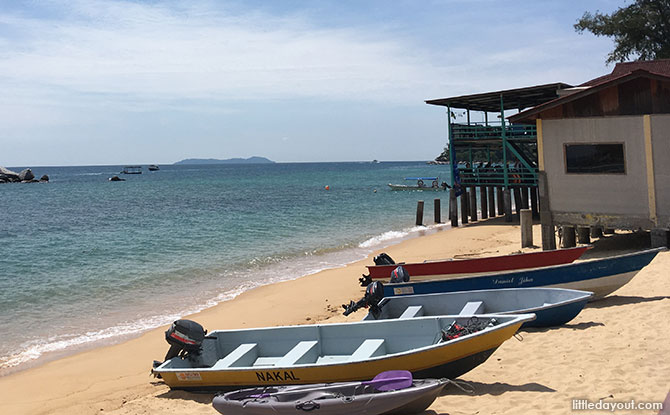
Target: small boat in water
<point>428,347</point>
<point>132,170</point>
<point>551,306</point>
<point>601,276</point>
<point>451,268</point>
<point>422,183</point>
<point>394,391</point>
<point>153,167</point>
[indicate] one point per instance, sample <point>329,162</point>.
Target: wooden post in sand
<point>526,228</point>
<point>419,213</point>
<point>473,203</point>
<point>533,202</point>
<point>501,201</point>
<point>518,205</point>
<point>596,232</point>
<point>583,235</point>
<point>453,208</point>
<point>507,196</point>
<point>492,201</point>
<point>485,202</point>
<point>546,220</point>
<point>464,207</point>
<point>568,239</point>
<point>437,212</point>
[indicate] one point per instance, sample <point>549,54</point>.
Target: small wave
<point>384,237</point>
<point>90,174</point>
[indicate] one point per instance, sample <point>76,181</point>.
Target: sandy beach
<point>617,349</point>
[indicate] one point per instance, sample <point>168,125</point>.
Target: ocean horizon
<point>92,262</point>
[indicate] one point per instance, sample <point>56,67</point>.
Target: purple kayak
<point>391,392</point>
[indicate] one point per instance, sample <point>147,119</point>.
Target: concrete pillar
<point>484,202</point>
<point>526,219</point>
<point>501,201</point>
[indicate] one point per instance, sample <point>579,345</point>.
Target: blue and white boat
<point>600,276</point>
<point>551,306</point>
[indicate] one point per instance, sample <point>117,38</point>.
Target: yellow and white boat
<point>425,346</point>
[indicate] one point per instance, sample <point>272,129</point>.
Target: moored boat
<point>450,268</point>
<point>551,306</point>
<point>601,276</point>
<point>396,392</point>
<point>231,359</point>
<point>422,183</point>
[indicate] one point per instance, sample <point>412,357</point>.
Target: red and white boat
<point>452,268</point>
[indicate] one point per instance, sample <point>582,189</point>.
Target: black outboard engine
<point>381,259</point>
<point>184,336</point>
<point>373,295</point>
<point>399,274</point>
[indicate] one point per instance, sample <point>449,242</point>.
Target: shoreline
<point>115,379</point>
<point>126,330</point>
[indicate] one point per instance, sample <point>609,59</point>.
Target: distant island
<point>250,160</point>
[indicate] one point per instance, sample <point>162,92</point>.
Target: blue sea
<point>87,261</point>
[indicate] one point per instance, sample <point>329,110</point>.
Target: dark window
<point>595,158</point>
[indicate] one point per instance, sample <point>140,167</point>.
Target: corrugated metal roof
<point>518,98</point>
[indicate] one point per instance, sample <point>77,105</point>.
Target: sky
<point>93,82</point>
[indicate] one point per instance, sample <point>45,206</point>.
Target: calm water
<point>88,261</point>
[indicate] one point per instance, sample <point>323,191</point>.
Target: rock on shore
<point>25,176</point>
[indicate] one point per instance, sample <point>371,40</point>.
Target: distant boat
<point>601,276</point>
<point>422,183</point>
<point>132,170</point>
<point>429,347</point>
<point>153,167</point>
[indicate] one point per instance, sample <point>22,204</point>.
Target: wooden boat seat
<point>303,352</point>
<point>369,348</point>
<point>472,307</point>
<point>243,355</point>
<point>412,311</point>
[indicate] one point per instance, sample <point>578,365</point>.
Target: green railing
<point>493,132</point>
<point>517,177</point>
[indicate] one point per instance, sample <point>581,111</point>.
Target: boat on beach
<point>451,268</point>
<point>422,183</point>
<point>551,306</point>
<point>342,352</point>
<point>394,391</point>
<point>601,276</point>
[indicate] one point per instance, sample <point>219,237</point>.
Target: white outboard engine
<point>184,336</point>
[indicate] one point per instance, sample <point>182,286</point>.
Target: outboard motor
<point>184,336</point>
<point>383,259</point>
<point>374,293</point>
<point>399,274</point>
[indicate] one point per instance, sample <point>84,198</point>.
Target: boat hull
<point>428,270</point>
<point>551,306</point>
<point>448,359</point>
<point>332,399</point>
<point>600,276</point>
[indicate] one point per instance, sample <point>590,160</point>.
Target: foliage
<point>641,30</point>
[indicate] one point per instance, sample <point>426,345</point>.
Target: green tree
<point>641,30</point>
